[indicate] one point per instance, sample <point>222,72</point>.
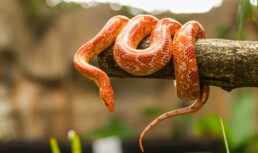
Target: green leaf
<point>245,12</point>
<point>152,110</point>
<point>242,119</point>
<point>240,20</point>
<point>54,146</point>
<point>114,128</point>
<point>75,143</point>
<point>224,135</point>
<point>248,9</point>
<point>208,125</point>
<point>256,144</point>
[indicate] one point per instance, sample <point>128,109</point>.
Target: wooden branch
<point>224,63</point>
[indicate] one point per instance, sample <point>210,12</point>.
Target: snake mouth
<point>109,104</point>
<point>111,109</point>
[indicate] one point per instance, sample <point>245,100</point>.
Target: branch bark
<point>224,63</point>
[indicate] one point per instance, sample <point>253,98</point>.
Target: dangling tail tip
<point>141,148</point>
<point>140,144</point>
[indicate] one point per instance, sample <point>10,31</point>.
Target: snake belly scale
<point>167,39</point>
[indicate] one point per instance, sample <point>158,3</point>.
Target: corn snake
<point>127,34</point>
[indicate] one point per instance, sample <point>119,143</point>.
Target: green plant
<point>245,12</point>
<point>241,124</point>
<point>114,128</point>
<point>224,135</point>
<point>54,145</point>
<point>238,133</point>
<point>75,143</point>
<point>152,111</point>
<point>208,125</point>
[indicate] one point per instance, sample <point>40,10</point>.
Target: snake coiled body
<point>127,34</point>
<point>157,55</point>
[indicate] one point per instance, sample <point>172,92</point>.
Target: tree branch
<point>224,63</point>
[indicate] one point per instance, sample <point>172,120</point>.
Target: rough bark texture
<point>224,63</point>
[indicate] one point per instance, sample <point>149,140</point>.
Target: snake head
<point>107,96</point>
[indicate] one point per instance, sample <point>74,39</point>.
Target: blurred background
<point>42,95</point>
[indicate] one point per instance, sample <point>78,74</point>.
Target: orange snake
<point>127,34</point>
